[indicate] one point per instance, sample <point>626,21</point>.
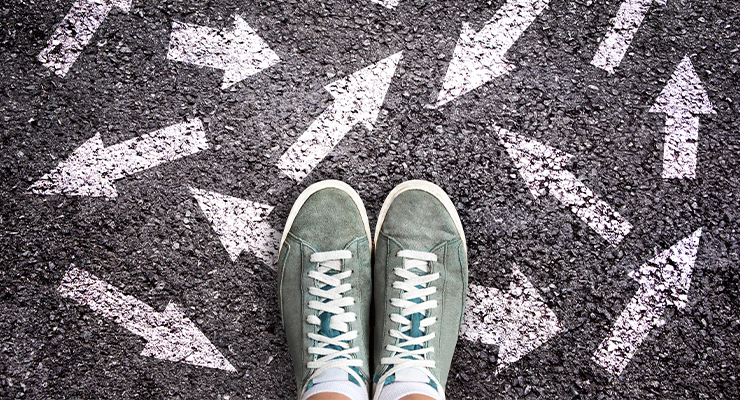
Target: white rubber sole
<point>430,188</point>
<point>327,184</point>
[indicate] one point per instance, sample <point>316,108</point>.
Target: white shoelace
<point>332,301</point>
<point>412,286</point>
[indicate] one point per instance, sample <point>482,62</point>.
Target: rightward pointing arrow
<point>75,32</point>
<point>682,100</point>
<point>170,335</point>
<point>479,57</point>
<point>543,169</point>
<point>664,281</point>
<point>240,224</point>
<point>92,169</point>
<point>357,98</point>
<point>240,52</point>
<point>517,321</point>
<point>618,39</point>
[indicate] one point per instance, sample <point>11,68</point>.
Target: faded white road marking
<point>616,42</point>
<point>479,57</point>
<point>682,99</point>
<point>240,52</point>
<point>92,169</point>
<point>357,98</point>
<point>517,321</point>
<point>240,225</point>
<point>543,169</point>
<point>170,335</point>
<point>664,281</point>
<point>75,32</point>
<point>391,4</point>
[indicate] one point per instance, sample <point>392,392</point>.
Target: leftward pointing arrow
<point>682,100</point>
<point>543,169</point>
<point>240,52</point>
<point>357,99</point>
<point>92,169</point>
<point>517,321</point>
<point>479,57</point>
<point>170,335</point>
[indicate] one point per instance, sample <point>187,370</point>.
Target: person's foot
<point>420,281</point>
<point>324,276</point>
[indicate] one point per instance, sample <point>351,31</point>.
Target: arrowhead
<point>240,224</point>
<point>668,275</point>
<point>82,174</point>
<point>390,4</point>
<point>473,63</point>
<point>683,94</point>
<point>517,321</point>
<point>246,54</point>
<point>536,162</point>
<point>124,5</point>
<point>176,338</point>
<point>359,97</point>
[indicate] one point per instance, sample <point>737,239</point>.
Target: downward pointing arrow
<point>682,99</point>
<point>542,168</point>
<point>170,334</point>
<point>240,52</point>
<point>75,32</point>
<point>357,98</point>
<point>517,321</point>
<point>664,281</point>
<point>240,224</point>
<point>479,57</point>
<point>92,169</point>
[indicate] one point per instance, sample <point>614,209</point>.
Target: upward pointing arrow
<point>240,52</point>
<point>479,57</point>
<point>357,99</point>
<point>92,169</point>
<point>170,334</point>
<point>682,100</point>
<point>543,170</point>
<point>664,281</point>
<point>75,32</point>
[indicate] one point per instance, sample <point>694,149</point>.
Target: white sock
<point>345,388</point>
<point>399,390</point>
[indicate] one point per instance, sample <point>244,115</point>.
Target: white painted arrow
<point>240,52</point>
<point>170,335</point>
<point>92,169</point>
<point>542,168</point>
<point>240,224</point>
<point>357,98</point>
<point>75,32</point>
<point>616,42</point>
<point>479,57</point>
<point>664,281</point>
<point>517,321</point>
<point>682,100</point>
<point>390,4</point>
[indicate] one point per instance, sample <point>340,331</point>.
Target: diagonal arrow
<point>543,169</point>
<point>240,224</point>
<point>682,99</point>
<point>479,57</point>
<point>92,168</point>
<point>517,321</point>
<point>75,32</point>
<point>240,52</point>
<point>664,281</point>
<point>357,98</point>
<point>170,335</point>
<point>616,42</point>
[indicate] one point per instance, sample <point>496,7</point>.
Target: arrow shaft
<point>200,45</point>
<point>616,42</point>
<point>680,147</point>
<point>506,26</point>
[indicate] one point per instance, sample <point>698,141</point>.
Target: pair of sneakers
<point>415,273</point>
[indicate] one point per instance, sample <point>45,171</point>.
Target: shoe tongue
<point>411,375</point>
<point>331,374</point>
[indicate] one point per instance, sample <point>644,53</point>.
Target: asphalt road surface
<point>151,150</point>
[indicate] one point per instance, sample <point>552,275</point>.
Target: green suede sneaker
<point>324,276</point>
<point>420,281</point>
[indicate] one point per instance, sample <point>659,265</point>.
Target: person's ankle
<point>416,397</point>
<point>333,396</point>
